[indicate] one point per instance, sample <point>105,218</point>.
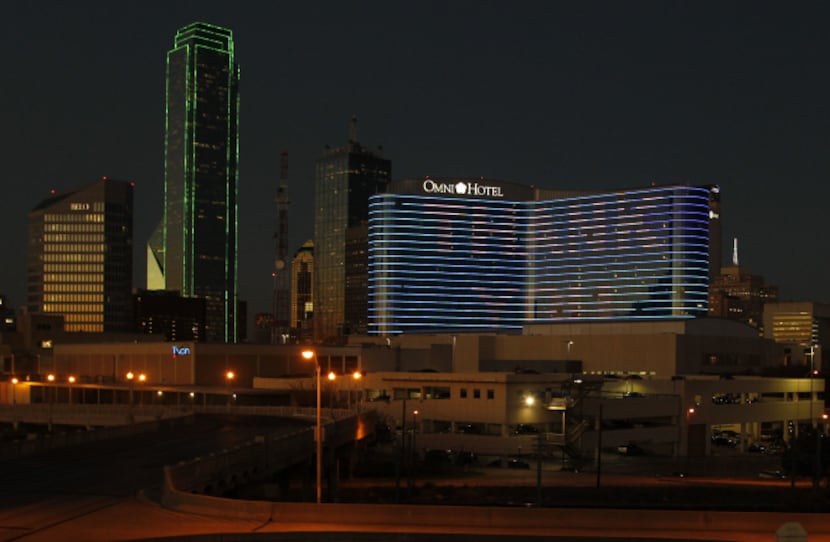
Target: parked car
<point>629,449</point>
<point>720,440</point>
<point>525,429</point>
<point>514,463</point>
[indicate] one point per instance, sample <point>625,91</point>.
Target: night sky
<point>569,95</point>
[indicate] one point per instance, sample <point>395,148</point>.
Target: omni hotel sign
<point>462,188</point>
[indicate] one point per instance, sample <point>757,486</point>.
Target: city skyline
<point>599,95</point>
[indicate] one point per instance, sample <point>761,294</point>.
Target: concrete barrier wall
<point>227,468</point>
<point>495,520</point>
<point>206,505</point>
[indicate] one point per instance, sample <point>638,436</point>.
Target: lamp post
<point>14,402</point>
<point>71,380</point>
<point>333,393</point>
<point>814,422</point>
<point>813,374</point>
<point>413,456</point>
<point>130,377</point>
<point>51,379</point>
<point>142,378</point>
<point>357,375</point>
<point>318,434</point>
<point>131,381</point>
<point>229,376</point>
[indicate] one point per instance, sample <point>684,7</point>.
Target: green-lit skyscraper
<point>198,239</point>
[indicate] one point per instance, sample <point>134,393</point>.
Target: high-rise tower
<point>344,179</point>
<point>80,261</point>
<point>302,293</point>
<point>199,237</point>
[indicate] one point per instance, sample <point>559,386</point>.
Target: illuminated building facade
<point>302,290</point>
<point>166,313</point>
<point>737,294</point>
<point>345,178</point>
<point>804,327</point>
<point>80,259</point>
<point>476,255</point>
<point>198,253</point>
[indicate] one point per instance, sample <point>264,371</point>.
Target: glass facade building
<point>491,256</point>
<point>302,293</point>
<point>80,257</point>
<point>345,178</point>
<point>198,257</point>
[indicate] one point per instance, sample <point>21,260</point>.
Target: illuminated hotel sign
<point>183,351</point>
<point>462,188</point>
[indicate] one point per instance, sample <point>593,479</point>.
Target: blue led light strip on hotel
<point>438,265</point>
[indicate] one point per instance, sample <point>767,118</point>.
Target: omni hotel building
<point>450,255</point>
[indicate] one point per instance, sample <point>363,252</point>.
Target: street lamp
<point>14,402</point>
<point>332,390</point>
<point>308,355</point>
<point>357,375</point>
<point>130,377</point>
<point>51,378</point>
<point>71,381</point>
<point>413,455</point>
<point>229,376</point>
<point>142,378</point>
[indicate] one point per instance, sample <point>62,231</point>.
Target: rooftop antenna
<point>735,252</point>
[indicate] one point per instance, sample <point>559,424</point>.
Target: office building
<point>737,294</point>
<point>8,315</point>
<point>345,178</point>
<point>198,233</point>
<point>478,255</point>
<point>80,260</point>
<point>263,332</point>
<point>803,327</point>
<point>302,292</point>
<point>166,313</point>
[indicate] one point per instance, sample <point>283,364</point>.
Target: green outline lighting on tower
<point>195,248</point>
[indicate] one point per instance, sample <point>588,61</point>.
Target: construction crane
<point>281,272</point>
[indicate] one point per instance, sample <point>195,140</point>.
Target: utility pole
<point>402,456</point>
<point>599,444</point>
<point>539,470</point>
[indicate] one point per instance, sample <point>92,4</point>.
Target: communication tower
<point>281,272</point>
